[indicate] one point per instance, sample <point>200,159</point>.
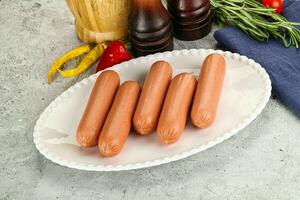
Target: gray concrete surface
<point>262,162</point>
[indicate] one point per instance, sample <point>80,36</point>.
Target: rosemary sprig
<point>256,20</point>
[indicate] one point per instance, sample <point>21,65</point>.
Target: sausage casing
<point>97,108</point>
<point>175,110</point>
<point>118,122</point>
<point>152,98</point>
<point>208,92</point>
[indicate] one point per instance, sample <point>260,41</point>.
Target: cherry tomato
<point>276,4</point>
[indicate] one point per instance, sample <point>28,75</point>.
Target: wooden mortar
<point>100,20</point>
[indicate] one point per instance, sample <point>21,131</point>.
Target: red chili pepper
<point>276,4</point>
<point>115,53</point>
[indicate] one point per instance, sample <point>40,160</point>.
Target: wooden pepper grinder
<point>191,18</point>
<point>150,28</point>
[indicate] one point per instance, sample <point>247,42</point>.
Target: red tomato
<point>276,4</point>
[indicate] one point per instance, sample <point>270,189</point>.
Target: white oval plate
<point>246,91</point>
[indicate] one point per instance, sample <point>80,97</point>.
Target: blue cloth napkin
<point>282,64</point>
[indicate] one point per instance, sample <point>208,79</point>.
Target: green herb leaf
<point>256,20</point>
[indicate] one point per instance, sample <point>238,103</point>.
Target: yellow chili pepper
<point>86,62</point>
<point>66,57</point>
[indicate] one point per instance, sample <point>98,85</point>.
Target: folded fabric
<point>282,64</point>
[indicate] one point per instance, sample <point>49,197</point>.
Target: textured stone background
<point>262,162</point>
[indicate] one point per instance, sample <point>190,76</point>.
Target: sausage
<point>152,98</point>
<point>175,110</point>
<point>118,122</point>
<point>208,91</point>
<point>97,108</point>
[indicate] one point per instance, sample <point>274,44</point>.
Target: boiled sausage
<point>208,91</point>
<point>97,108</point>
<point>118,122</point>
<point>152,97</point>
<point>175,110</point>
